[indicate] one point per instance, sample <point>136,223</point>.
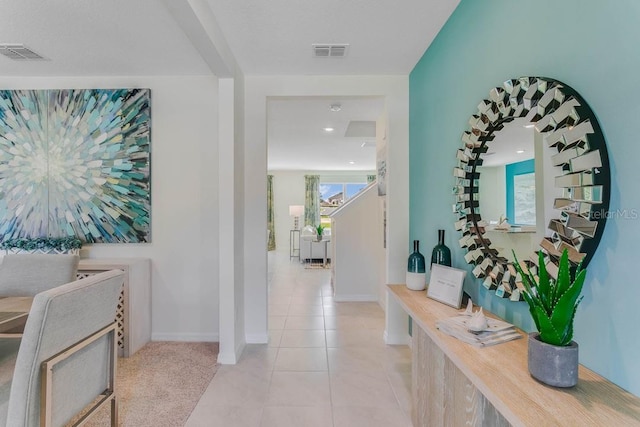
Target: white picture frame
<point>445,285</point>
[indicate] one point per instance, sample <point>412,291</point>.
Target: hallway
<point>326,363</point>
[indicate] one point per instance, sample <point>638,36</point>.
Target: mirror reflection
<point>507,190</point>
<point>532,174</point>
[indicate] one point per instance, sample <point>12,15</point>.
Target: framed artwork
<point>75,162</point>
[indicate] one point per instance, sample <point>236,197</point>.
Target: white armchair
<point>71,324</point>
<point>311,248</point>
<point>24,275</point>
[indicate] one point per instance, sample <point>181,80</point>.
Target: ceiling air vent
<point>19,52</point>
<point>330,50</point>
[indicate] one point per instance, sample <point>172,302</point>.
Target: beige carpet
<point>162,383</point>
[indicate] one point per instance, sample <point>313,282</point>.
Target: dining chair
<point>66,361</point>
<point>24,275</point>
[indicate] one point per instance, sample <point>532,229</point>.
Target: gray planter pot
<point>551,364</point>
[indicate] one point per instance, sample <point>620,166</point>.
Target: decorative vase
<point>441,254</point>
<point>551,364</point>
<point>416,274</point>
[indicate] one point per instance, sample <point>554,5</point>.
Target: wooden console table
<point>454,383</point>
<point>134,308</point>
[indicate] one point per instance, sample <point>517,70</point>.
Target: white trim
<point>356,298</point>
<point>185,337</point>
<point>230,358</point>
<point>400,339</point>
<point>257,338</point>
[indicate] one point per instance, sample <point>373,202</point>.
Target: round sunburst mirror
<point>533,174</point>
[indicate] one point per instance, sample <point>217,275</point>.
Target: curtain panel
<point>312,200</point>
<point>271,231</point>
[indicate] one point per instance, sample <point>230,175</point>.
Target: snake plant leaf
<point>566,305</point>
<point>548,332</point>
<point>553,302</point>
<point>545,288</point>
<point>564,280</point>
<point>566,339</point>
<point>532,310</point>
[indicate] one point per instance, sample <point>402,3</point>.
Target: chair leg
<point>114,412</point>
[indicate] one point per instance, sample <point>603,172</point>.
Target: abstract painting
<point>75,162</point>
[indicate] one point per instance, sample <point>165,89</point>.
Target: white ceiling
<point>512,138</point>
<point>97,37</point>
<point>274,37</point>
<point>296,139</point>
<point>384,36</point>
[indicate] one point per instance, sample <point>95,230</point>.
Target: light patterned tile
<point>359,338</point>
<point>305,310</point>
<point>215,415</point>
<point>275,336</point>
<point>299,389</point>
<point>302,338</point>
<point>256,357</point>
<point>304,322</point>
<point>234,387</point>
<point>371,388</point>
<point>277,322</point>
<point>354,359</point>
<point>306,300</point>
<point>358,416</point>
<point>298,416</point>
<point>301,359</point>
<point>278,309</point>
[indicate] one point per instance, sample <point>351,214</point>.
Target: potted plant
<point>319,230</point>
<point>552,355</point>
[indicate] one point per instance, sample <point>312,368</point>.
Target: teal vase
<point>416,269</point>
<point>441,254</point>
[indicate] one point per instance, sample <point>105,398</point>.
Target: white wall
<point>493,193</point>
<point>184,209</point>
<point>355,235</point>
<point>257,91</point>
<point>288,189</point>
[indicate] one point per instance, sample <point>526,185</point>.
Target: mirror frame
<point>569,126</point>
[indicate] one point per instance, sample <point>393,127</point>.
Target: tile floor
<point>326,363</point>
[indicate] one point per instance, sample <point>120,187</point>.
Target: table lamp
<point>296,211</point>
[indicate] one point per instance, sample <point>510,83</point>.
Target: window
<point>521,193</point>
<point>334,194</point>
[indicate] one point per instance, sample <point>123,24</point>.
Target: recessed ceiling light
<point>519,151</point>
<point>328,129</point>
<point>335,107</point>
<point>352,162</point>
<point>529,126</point>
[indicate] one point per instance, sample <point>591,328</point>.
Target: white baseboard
<point>186,337</point>
<point>356,298</point>
<point>229,357</point>
<point>403,339</point>
<point>257,338</point>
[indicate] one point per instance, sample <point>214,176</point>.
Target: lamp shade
<point>296,210</point>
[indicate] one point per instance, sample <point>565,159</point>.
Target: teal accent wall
<point>511,170</point>
<point>591,45</point>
